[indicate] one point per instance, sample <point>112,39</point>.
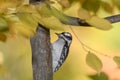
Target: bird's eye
<point>69,38</point>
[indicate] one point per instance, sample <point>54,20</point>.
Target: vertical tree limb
<point>41,55</point>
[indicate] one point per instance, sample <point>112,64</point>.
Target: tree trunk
<point>41,55</point>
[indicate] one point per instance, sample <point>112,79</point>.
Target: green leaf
<point>62,17</point>
<point>99,23</point>
<point>28,19</point>
<point>25,14</point>
<point>47,15</point>
<point>44,10</point>
<point>91,5</point>
<point>101,76</point>
<point>117,60</point>
<point>3,25</point>
<point>107,7</point>
<point>94,62</point>
<point>117,3</point>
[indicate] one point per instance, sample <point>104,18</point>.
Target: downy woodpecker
<point>60,49</point>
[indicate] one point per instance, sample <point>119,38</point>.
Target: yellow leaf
<point>22,29</point>
<point>99,23</point>
<point>10,18</point>
<point>64,3</point>
<point>49,22</point>
<point>11,10</point>
<point>83,14</point>
<point>30,9</point>
<point>52,23</point>
<point>117,60</point>
<point>94,62</point>
<point>28,19</point>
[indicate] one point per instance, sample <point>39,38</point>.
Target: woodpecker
<point>60,49</point>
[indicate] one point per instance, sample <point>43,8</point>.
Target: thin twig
<point>85,47</point>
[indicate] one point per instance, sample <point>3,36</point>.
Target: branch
<point>41,55</point>
<point>80,22</point>
<point>69,20</point>
<point>113,19</point>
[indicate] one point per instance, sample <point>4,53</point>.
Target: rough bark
<point>41,55</point>
<point>40,45</point>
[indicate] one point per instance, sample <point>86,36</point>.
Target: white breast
<point>56,51</point>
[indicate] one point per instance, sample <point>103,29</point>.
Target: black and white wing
<point>62,58</point>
